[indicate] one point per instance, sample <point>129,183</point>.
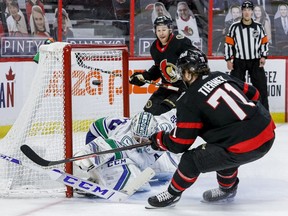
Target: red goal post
<point>80,60</point>
<point>62,104</point>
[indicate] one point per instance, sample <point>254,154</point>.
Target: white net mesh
<point>41,121</point>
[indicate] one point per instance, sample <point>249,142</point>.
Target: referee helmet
<point>247,4</point>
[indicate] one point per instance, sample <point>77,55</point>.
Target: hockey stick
<point>173,88</point>
<point>81,184</point>
<point>32,155</point>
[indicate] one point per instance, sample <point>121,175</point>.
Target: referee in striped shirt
<point>247,43</point>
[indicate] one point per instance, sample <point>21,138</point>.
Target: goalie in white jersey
<point>115,170</point>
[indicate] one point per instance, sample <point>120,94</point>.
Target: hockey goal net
<point>62,103</point>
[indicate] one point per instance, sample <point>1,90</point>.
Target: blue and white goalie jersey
<point>117,133</point>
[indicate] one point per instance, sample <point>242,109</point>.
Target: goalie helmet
<point>144,124</point>
<point>163,20</point>
<point>193,61</point>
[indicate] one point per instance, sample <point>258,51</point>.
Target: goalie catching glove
<point>137,79</point>
<point>157,141</point>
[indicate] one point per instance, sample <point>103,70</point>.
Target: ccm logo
<point>87,186</point>
<point>116,162</point>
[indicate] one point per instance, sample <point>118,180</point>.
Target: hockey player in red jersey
<point>226,114</point>
<point>165,51</point>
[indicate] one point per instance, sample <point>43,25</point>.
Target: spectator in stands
<point>186,22</point>
<point>7,13</point>
<point>266,4</point>
<point>281,25</point>
<point>262,17</point>
<point>30,4</point>
<point>159,10</point>
<point>16,22</point>
<point>39,23</point>
<point>234,14</point>
<point>66,25</point>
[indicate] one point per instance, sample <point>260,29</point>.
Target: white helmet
<point>143,124</point>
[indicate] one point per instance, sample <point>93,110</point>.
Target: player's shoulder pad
<point>179,37</point>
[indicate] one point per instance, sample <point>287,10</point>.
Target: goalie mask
<point>192,61</point>
<point>144,124</point>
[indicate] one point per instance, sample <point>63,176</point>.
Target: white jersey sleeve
<point>166,121</point>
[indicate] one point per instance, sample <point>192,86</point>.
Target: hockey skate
<point>164,199</point>
<point>221,194</point>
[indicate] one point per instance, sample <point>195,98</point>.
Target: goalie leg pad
<point>117,174</point>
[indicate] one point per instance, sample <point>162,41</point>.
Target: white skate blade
<point>153,207</point>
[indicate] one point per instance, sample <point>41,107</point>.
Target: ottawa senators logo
<point>169,71</point>
<point>188,31</point>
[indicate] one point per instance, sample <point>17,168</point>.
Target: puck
<point>96,82</point>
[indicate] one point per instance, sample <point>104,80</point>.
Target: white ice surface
<point>263,191</point>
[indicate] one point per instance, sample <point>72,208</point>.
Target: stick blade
<point>33,156</point>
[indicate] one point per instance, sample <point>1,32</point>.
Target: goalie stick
<point>88,186</point>
<point>32,155</point>
<point>173,88</point>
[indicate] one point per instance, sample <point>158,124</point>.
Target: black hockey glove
<point>156,141</point>
<point>136,79</point>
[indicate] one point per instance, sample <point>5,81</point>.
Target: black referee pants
<point>257,76</point>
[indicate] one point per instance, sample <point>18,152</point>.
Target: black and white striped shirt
<point>246,41</point>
